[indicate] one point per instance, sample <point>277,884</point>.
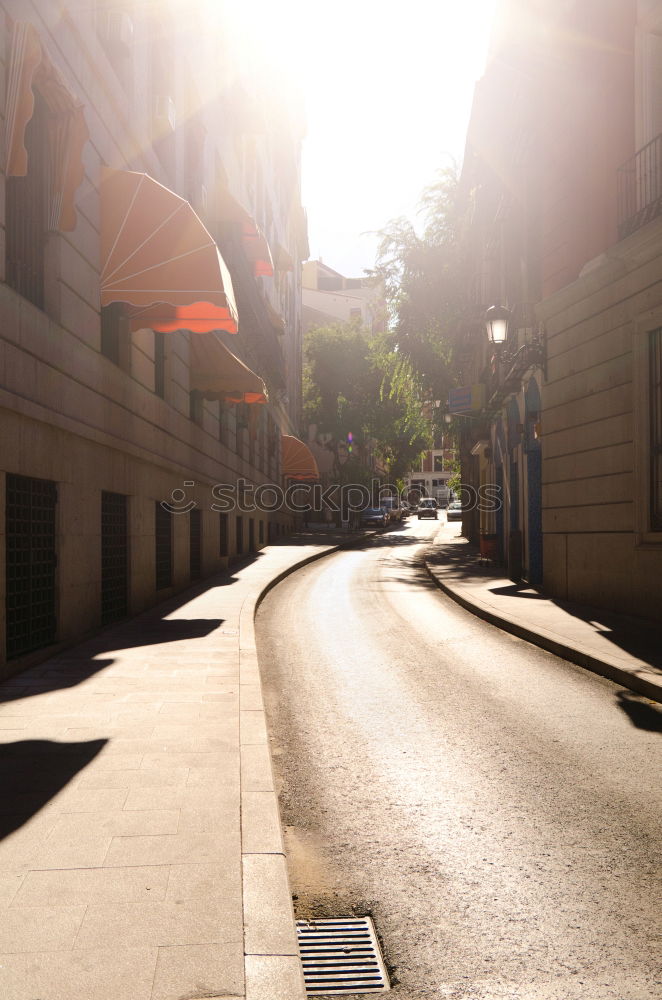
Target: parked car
<point>374,517</point>
<point>454,511</point>
<point>427,507</point>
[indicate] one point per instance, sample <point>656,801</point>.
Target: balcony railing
<point>640,189</point>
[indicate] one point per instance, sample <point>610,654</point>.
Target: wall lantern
<point>496,321</point>
<point>533,352</point>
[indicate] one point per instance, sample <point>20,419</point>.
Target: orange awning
<point>218,374</point>
<point>256,249</point>
<point>254,242</point>
<point>298,460</point>
<point>30,69</point>
<point>158,258</point>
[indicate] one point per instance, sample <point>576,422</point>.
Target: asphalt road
<point>489,804</point>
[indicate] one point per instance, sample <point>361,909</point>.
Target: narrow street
<point>489,804</point>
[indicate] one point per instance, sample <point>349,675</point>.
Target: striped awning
<point>298,460</point>
<point>158,258</point>
<point>30,70</point>
<point>217,373</point>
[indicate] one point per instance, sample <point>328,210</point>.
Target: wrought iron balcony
<point>640,189</point>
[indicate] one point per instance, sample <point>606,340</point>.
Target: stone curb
<point>271,956</point>
<point>648,684</point>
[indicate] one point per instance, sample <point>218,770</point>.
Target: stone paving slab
<point>624,649</point>
<point>127,869</point>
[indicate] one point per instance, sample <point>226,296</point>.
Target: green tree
<point>358,384</point>
<point>426,281</point>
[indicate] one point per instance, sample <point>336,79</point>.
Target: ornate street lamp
<point>533,352</point>
<point>497,319</point>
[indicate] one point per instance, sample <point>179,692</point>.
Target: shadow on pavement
<point>642,714</point>
<point>33,771</point>
<point>519,590</point>
<point>76,665</point>
<point>638,637</point>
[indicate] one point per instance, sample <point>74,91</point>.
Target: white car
<point>454,511</point>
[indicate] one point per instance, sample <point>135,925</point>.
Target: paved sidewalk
<point>141,856</point>
<point>627,650</point>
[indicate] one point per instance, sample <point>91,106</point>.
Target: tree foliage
<point>356,383</point>
<point>426,283</point>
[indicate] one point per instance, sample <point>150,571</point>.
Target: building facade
<point>430,478</point>
<point>150,343</point>
<point>329,297</point>
<point>564,183</point>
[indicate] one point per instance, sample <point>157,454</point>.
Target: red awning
<point>298,460</point>
<point>30,69</point>
<point>158,258</point>
<point>218,374</point>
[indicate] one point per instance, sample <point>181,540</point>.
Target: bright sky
<point>388,87</point>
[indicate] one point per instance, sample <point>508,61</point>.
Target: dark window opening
<point>223,420</point>
<point>31,562</point>
<point>163,546</point>
<point>115,336</point>
<point>251,534</point>
<point>240,536</point>
<point>223,535</point>
<point>159,364</point>
<point>261,531</point>
<point>195,544</point>
<point>114,557</point>
<point>26,202</point>
<point>241,416</point>
<point>655,362</point>
<point>195,407</point>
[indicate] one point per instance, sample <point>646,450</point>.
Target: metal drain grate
<point>341,955</point>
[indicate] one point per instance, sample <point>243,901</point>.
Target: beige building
<point>567,235</point>
<point>139,340</point>
<point>328,297</point>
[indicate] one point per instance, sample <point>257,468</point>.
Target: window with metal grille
<point>25,212</point>
<point>159,364</point>
<point>195,543</point>
<point>163,546</point>
<point>114,557</point>
<point>655,376</point>
<point>30,564</point>
<point>223,535</point>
